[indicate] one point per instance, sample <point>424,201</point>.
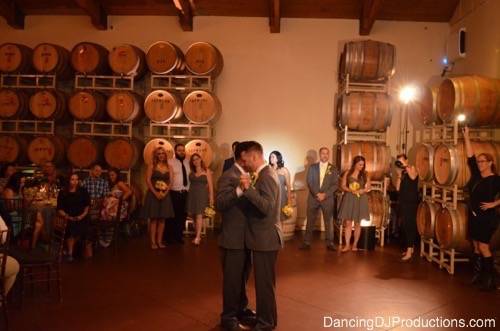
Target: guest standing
<point>354,206</point>
<point>157,204</point>
<point>276,162</point>
<point>228,163</point>
<point>201,193</point>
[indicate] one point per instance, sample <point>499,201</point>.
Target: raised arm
<point>468,147</point>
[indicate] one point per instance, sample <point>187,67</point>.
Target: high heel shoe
<point>196,241</point>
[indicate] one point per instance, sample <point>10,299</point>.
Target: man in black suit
<point>322,181</point>
<point>236,258</point>
<point>228,163</point>
<point>263,233</point>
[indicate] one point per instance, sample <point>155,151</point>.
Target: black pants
<point>265,283</point>
<point>174,227</point>
<point>236,266</point>
<point>408,214</point>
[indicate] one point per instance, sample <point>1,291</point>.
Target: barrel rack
<point>182,82</point>
<point>450,133</point>
<point>345,136</point>
<point>347,86</point>
<point>28,81</point>
<point>104,83</point>
<point>27,127</point>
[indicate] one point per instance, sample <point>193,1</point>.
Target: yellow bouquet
<point>287,210</point>
<point>210,212</point>
<point>355,186</point>
<point>161,186</point>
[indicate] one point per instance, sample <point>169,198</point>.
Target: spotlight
<point>445,61</point>
<point>407,94</point>
<point>461,118</point>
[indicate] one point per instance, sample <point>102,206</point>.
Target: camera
<point>400,164</point>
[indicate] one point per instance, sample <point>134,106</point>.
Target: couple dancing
<point>251,234</point>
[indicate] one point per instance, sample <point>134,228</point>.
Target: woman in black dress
<point>407,185</point>
<point>73,205</point>
<point>484,187</point>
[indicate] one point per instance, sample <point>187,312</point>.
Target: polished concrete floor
<point>179,289</point>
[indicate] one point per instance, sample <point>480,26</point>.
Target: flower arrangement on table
<point>354,186</point>
<point>287,210</point>
<point>210,212</point>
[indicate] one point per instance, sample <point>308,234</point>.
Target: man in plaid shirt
<point>96,186</point>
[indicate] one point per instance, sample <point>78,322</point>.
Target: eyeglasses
<point>482,161</point>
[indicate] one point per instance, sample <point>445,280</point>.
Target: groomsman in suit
<point>263,233</point>
<point>236,258</point>
<point>322,181</point>
<point>228,163</point>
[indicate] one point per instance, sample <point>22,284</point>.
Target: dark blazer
<point>228,163</point>
<point>330,182</point>
<point>263,232</point>
<point>231,208</point>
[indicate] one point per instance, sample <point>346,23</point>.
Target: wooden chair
<point>4,249</point>
<point>107,226</point>
<point>19,214</point>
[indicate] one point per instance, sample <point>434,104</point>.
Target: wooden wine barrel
<point>83,152</point>
<point>201,107</point>
<point>12,149</point>
<point>450,162</point>
<point>367,60</point>
<point>422,156</point>
<point>365,111</point>
<point>127,60</point>
<point>48,105</point>
<point>202,148</point>
<point>451,228</point>
<point>423,111</point>
<point>124,106</point>
<point>164,57</point>
<point>87,105</point>
<point>288,224</point>
<point>52,59</point>
<point>426,219</point>
<point>152,145</point>
<point>46,148</point>
<point>89,58</point>
<point>379,208</point>
<point>122,153</point>
<point>15,58</point>
<point>377,156</point>
<point>477,97</point>
<point>13,104</point>
<point>162,106</point>
<point>203,58</point>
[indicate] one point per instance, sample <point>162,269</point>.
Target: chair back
<point>95,209</point>
<point>57,237</point>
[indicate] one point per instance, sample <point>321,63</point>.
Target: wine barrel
<point>377,156</point>
<point>422,156</point>
<point>162,106</point>
<point>450,162</point>
<point>89,58</point>
<point>48,105</point>
<point>46,148</point>
<point>13,104</point>
<point>124,106</point>
<point>152,145</point>
<point>15,58</point>
<point>201,107</point>
<point>477,97</point>
<point>122,153</point>
<point>288,224</point>
<point>52,59</point>
<point>367,60</point>
<point>202,148</point>
<point>12,149</point>
<point>87,105</point>
<point>379,208</point>
<point>83,152</point>
<point>127,60</point>
<point>423,111</point>
<point>365,111</point>
<point>204,59</point>
<point>451,228</point>
<point>426,219</point>
<point>164,57</point>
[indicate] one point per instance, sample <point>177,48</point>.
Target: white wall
<point>275,88</point>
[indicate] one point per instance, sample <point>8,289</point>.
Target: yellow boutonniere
<point>253,179</point>
<point>329,170</point>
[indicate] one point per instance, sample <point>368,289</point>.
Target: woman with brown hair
<point>483,186</point>
<point>157,204</point>
<point>201,193</point>
<point>354,207</point>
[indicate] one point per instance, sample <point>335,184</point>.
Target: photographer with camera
<point>407,186</point>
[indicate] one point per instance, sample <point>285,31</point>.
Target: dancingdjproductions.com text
<point>388,322</point>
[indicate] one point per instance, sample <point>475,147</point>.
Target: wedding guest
<point>53,179</point>
<point>158,204</point>
<point>484,186</point>
<point>228,163</point>
<point>73,203</point>
<point>96,186</point>
<point>201,193</point>
<point>14,187</point>
<point>11,264</point>
<point>354,206</point>
<point>276,162</point>
<point>7,170</point>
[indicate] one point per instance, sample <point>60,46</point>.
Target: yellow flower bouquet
<point>210,212</point>
<point>287,210</point>
<point>355,186</point>
<point>161,186</point>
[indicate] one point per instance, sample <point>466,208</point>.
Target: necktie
<point>184,175</point>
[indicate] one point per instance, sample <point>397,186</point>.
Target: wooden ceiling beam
<point>274,16</point>
<point>368,16</point>
<point>185,13</point>
<point>96,11</point>
<point>10,10</point>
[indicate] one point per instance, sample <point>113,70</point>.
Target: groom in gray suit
<point>322,181</point>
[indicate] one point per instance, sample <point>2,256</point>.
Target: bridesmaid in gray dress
<point>277,163</point>
<point>354,207</point>
<point>157,204</point>
<point>201,193</point>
